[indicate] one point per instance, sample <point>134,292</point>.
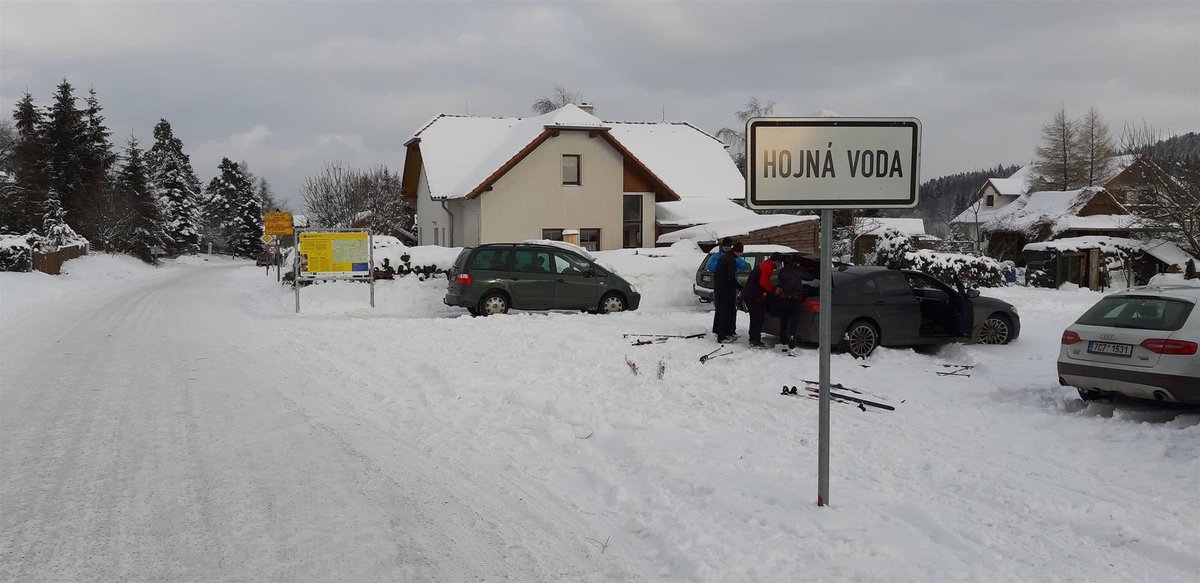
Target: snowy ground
<point>182,423</point>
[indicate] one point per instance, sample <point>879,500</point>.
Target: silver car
<point>1139,343</point>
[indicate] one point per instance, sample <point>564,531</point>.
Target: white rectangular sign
<point>832,162</point>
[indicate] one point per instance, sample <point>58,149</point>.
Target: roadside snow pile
<point>663,276</point>
<point>20,292</point>
<point>1173,279</point>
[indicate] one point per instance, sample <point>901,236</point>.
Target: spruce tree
<point>54,228</point>
<point>30,171</point>
<point>65,132</point>
<point>174,184</point>
<point>147,221</point>
<point>235,210</point>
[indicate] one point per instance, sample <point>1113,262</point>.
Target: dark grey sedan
<point>876,306</point>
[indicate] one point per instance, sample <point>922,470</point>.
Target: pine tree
<point>147,225</point>
<point>1095,148</point>
<point>234,210</point>
<point>31,174</point>
<point>1058,163</point>
<point>65,132</point>
<point>174,185</point>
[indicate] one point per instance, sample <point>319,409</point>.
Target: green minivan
<point>493,278</point>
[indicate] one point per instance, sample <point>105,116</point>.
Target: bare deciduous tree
<point>559,98</point>
<point>1059,165</point>
<point>341,196</point>
<point>1095,148</point>
<point>1166,203</point>
<point>735,138</point>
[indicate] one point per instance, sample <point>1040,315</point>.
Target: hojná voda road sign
<point>335,254</point>
<point>832,162</point>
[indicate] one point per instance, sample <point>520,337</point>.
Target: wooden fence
<point>51,261</point>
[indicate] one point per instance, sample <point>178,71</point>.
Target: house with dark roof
<point>486,179</point>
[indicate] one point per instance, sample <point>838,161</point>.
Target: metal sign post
<point>824,164</point>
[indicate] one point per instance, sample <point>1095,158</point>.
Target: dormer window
<point>991,200</point>
<point>570,169</point>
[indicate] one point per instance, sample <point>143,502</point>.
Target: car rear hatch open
<point>1127,330</point>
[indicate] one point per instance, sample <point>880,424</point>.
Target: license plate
<point>1110,348</point>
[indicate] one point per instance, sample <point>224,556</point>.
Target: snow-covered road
<point>154,435</point>
<point>184,424</point>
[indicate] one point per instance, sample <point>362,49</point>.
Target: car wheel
<point>493,303</point>
<point>997,329</point>
<point>861,339</point>
<point>611,303</point>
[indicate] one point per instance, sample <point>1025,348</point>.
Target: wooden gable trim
<point>410,177</point>
<point>662,194</point>
<point>487,183</point>
<point>1102,205</point>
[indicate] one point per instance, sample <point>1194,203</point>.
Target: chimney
<point>587,108</point>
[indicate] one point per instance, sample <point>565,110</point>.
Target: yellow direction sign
<point>267,238</point>
<point>279,223</point>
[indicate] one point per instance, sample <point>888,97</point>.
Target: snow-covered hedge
<point>895,251</point>
<point>15,253</point>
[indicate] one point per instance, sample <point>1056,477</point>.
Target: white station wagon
<point>1140,343</point>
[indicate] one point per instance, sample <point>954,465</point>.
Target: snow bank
<point>90,274</point>
<point>663,276</point>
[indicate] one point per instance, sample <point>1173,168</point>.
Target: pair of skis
<point>644,339</point>
<point>812,391</point>
<point>954,370</point>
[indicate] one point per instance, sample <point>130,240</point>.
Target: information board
<point>325,254</point>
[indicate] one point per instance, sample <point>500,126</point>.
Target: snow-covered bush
<point>895,251</point>
<point>15,253</point>
<point>892,248</point>
<point>971,270</point>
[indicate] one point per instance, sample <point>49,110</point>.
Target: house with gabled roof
<point>483,179</point>
<point>1046,215</point>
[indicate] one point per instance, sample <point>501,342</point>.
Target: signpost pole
<point>825,336</point>
<point>371,264</point>
<point>296,271</point>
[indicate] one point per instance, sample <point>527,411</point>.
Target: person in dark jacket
<point>759,290</point>
<point>725,289</point>
<point>790,295</point>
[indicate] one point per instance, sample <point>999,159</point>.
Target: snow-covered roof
<point>1165,251</point>
<point>460,152</point>
<point>760,249</point>
<point>698,211</point>
<point>1058,209</point>
<point>688,160</point>
<point>732,227</point>
<point>876,226</point>
<point>1017,184</point>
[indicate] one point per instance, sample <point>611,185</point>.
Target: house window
<point>552,234</point>
<point>991,200</point>
<point>589,239</point>
<point>631,231</point>
<point>570,169</point>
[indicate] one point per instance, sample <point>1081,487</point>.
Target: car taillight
<point>1168,346</point>
<point>463,279</point>
<point>812,305</point>
<point>1070,337</point>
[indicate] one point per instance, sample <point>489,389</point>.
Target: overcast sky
<point>286,86</point>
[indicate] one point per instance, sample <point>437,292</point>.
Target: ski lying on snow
<point>842,396</point>
<point>816,396</point>
<point>644,339</point>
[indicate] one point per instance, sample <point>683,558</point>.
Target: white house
<point>482,179</point>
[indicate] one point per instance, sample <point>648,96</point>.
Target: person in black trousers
<point>760,288</point>
<point>725,290</point>
<point>790,296</point>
